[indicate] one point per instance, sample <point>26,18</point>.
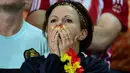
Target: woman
<point>69,29</point>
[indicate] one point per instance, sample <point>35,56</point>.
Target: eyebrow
<point>57,16</point>
<point>53,16</point>
<point>68,16</point>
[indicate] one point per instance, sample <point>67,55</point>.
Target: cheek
<point>51,27</point>
<point>74,31</point>
<point>49,30</point>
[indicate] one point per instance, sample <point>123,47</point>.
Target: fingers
<point>55,49</point>
<point>60,46</point>
<point>53,41</point>
<point>67,31</point>
<point>65,38</point>
<point>53,33</point>
<point>60,39</point>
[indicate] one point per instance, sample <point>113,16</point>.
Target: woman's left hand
<point>65,40</point>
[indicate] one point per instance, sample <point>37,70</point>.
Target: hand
<point>65,40</point>
<point>53,41</point>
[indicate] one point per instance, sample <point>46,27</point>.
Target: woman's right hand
<point>53,41</point>
<point>65,41</point>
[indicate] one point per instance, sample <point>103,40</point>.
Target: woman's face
<point>67,16</point>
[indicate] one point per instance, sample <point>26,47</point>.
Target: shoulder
<point>32,30</point>
<point>113,24</point>
<point>33,34</point>
<point>32,64</point>
<point>31,27</point>
<point>36,18</point>
<point>119,9</point>
<point>91,64</point>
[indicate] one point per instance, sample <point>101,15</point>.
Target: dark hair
<point>84,44</point>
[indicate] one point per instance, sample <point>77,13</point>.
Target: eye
<point>53,21</point>
<point>68,21</point>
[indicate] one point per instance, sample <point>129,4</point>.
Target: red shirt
<point>42,4</point>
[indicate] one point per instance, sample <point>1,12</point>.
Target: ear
<point>83,34</point>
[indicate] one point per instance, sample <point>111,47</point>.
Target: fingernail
<point>52,27</point>
<point>64,26</point>
<point>61,26</point>
<point>56,25</point>
<point>58,28</point>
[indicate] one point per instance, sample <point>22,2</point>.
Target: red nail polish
<point>61,26</point>
<point>56,26</point>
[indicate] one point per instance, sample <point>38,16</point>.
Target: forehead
<point>63,10</point>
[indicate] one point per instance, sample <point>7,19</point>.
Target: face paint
<point>52,27</point>
<point>61,26</point>
<point>58,26</point>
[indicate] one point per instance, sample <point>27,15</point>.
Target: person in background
<point>111,22</point>
<point>36,11</point>
<point>19,40</point>
<point>69,28</point>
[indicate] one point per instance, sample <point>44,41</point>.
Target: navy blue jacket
<point>52,64</point>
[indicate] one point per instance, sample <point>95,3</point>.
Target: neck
<point>10,23</point>
<point>77,48</point>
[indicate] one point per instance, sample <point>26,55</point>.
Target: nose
<point>59,23</point>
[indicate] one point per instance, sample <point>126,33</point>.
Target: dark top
<point>52,64</point>
<point>9,70</point>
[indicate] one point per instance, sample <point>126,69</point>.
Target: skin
<point>64,30</point>
<point>37,17</point>
<point>28,4</point>
<point>11,16</point>
<point>2,2</point>
<point>105,32</point>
